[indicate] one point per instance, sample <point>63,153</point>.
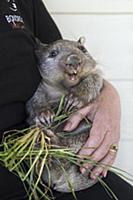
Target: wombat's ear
<point>81,40</point>
<point>39,43</point>
<point>40,48</point>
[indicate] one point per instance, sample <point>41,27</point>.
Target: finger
<point>84,152</point>
<point>86,167</point>
<point>105,164</point>
<point>100,152</point>
<point>94,141</point>
<point>75,118</point>
<point>103,148</point>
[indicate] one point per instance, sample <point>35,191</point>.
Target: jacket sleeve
<point>44,27</point>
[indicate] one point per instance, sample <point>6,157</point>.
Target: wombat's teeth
<point>75,72</point>
<point>72,77</point>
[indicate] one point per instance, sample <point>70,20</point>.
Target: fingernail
<point>82,170</point>
<point>105,174</point>
<point>94,176</point>
<point>89,166</point>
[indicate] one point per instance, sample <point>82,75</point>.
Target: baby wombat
<point>67,69</point>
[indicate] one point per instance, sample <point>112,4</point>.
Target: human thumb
<point>77,117</point>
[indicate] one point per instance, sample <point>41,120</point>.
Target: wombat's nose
<point>73,60</point>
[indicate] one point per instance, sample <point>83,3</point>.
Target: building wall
<point>108,28</point>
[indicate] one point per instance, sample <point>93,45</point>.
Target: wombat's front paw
<point>45,118</point>
<point>72,103</point>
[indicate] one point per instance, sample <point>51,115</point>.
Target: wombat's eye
<point>53,53</point>
<point>82,48</point>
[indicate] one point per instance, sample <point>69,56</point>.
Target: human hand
<point>105,132</point>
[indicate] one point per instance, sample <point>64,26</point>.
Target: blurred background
<point>107,26</point>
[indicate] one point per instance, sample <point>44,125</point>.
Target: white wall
<point>108,28</point>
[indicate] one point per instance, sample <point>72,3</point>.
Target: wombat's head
<point>64,62</point>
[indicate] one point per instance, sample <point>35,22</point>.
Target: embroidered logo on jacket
<point>12,5</point>
<point>15,20</point>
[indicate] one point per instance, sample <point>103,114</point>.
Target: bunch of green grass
<point>26,153</point>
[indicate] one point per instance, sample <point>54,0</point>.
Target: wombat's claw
<point>68,102</point>
<point>49,135</point>
<point>71,103</point>
<point>45,118</point>
<point>53,139</point>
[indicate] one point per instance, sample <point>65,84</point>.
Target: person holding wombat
<point>19,78</point>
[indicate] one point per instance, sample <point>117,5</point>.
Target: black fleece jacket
<point>20,22</point>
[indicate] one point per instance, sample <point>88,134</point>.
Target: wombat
<point>67,69</point>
